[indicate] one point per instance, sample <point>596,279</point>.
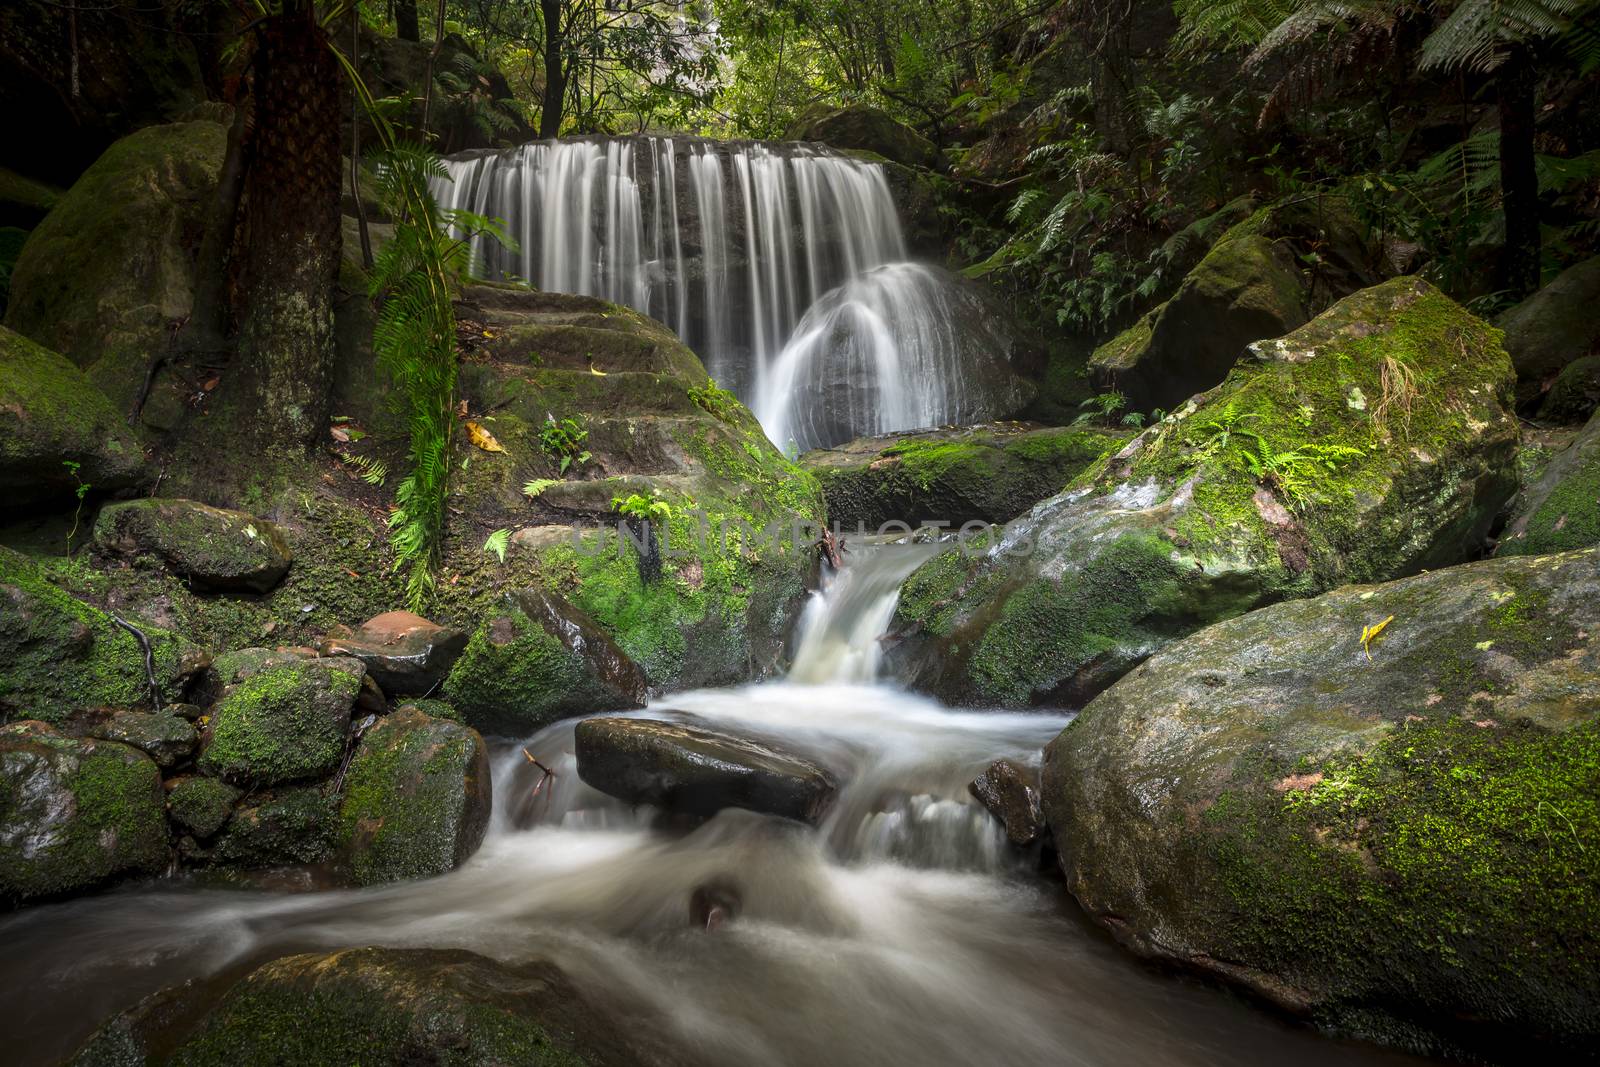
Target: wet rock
<point>416,798</point>
<point>379,1007</point>
<point>404,653</point>
<point>74,813</point>
<point>1552,328</point>
<point>1393,830</point>
<point>540,661</point>
<point>1561,509</point>
<point>282,723</point>
<point>1301,472</point>
<point>280,828</point>
<point>1008,790</point>
<point>201,805</point>
<point>987,473</point>
<point>57,431</point>
<point>697,771</point>
<point>867,128</point>
<point>59,655</point>
<point>213,548</point>
<point>1575,394</point>
<point>164,737</point>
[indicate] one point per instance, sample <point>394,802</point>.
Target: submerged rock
<point>1007,789</point>
<point>57,431</point>
<point>1561,509</point>
<point>1371,443</point>
<point>213,548</point>
<point>404,653</point>
<point>282,723</point>
<point>416,798</point>
<point>75,813</point>
<point>1392,836</point>
<point>540,661</point>
<point>698,771</point>
<point>1552,328</point>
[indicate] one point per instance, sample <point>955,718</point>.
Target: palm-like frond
<point>1478,34</point>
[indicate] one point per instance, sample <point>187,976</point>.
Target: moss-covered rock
<point>1392,836</point>
<point>57,431</point>
<point>1371,443</point>
<point>403,652</point>
<point>74,813</point>
<point>1561,508</point>
<point>1553,327</point>
<point>285,722</point>
<point>200,805</point>
<point>416,798</point>
<point>59,655</point>
<point>107,274</point>
<point>281,828</point>
<point>988,473</point>
<point>164,737</point>
<point>1575,394</point>
<point>212,548</point>
<point>24,202</point>
<point>865,127</point>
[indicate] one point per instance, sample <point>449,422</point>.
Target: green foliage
<point>638,506</point>
<point>497,544</point>
<point>563,440</point>
<point>715,400</point>
<point>1103,408</point>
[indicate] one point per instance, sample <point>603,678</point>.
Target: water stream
<point>902,931</point>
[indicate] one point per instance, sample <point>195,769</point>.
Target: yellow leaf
<point>596,371</point>
<point>483,438</point>
<point>1370,633</point>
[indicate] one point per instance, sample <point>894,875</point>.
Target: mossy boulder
<point>402,651</point>
<point>213,548</point>
<point>1552,328</point>
<point>1561,508</point>
<point>106,276</point>
<point>59,655</point>
<point>416,798</point>
<point>1393,837</point>
<point>279,828</point>
<point>24,202</point>
<point>1310,466</point>
<point>1575,394</point>
<point>75,813</point>
<point>988,473</point>
<point>199,805</point>
<point>378,1007</point>
<point>166,738</point>
<point>283,723</point>
<point>539,660</point>
<point>865,127</point>
<point>57,431</point>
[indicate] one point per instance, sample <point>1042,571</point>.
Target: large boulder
<point>278,828</point>
<point>1561,509</point>
<point>378,1007</point>
<point>696,771</point>
<point>59,655</point>
<point>988,473</point>
<point>213,548</point>
<point>1575,393</point>
<point>57,431</point>
<point>282,723</point>
<point>166,738</point>
<point>199,805</point>
<point>1388,827</point>
<point>75,813</point>
<point>862,126</point>
<point>1553,327</point>
<point>403,652</point>
<point>416,798</point>
<point>110,271</point>
<point>1373,442</point>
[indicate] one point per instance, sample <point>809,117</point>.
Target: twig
<point>548,773</point>
<point>149,658</point>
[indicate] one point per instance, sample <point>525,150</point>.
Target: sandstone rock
<point>404,653</point>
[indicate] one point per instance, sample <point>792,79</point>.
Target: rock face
<point>1396,838</point>
<point>989,473</point>
<point>1301,472</point>
<point>211,547</point>
<point>861,126</point>
<point>164,737</point>
<point>74,813</point>
<point>201,806</point>
<point>1553,327</point>
<point>540,661</point>
<point>59,655</point>
<point>1007,790</point>
<point>416,798</point>
<point>109,271</point>
<point>1575,394</point>
<point>404,653</point>
<point>1561,509</point>
<point>278,828</point>
<point>697,771</point>
<point>380,1008</point>
<point>57,431</point>
<point>285,722</point>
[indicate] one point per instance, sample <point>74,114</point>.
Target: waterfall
<point>738,246</point>
<point>840,628</point>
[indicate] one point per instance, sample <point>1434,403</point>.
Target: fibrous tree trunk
<point>555,79</point>
<point>1516,86</point>
<point>405,20</point>
<point>208,322</point>
<point>286,342</point>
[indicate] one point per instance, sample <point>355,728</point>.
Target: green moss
<point>284,723</point>
<point>290,826</point>
<point>533,674</point>
<point>201,805</point>
<point>1569,517</point>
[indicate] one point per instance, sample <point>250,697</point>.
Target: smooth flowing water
<point>902,931</point>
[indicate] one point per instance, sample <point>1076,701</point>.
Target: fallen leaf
<point>340,434</point>
<point>461,409</point>
<point>596,371</point>
<point>483,438</point>
<point>1370,633</point>
<point>211,383</point>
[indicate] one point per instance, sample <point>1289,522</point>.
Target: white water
<point>902,931</point>
<point>747,250</point>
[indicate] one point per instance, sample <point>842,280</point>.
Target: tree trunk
<point>208,324</point>
<point>405,20</point>
<point>1516,86</point>
<point>286,343</point>
<point>555,79</point>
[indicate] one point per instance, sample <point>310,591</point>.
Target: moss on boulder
<point>200,805</point>
<point>1575,394</point>
<point>1394,838</point>
<point>1309,467</point>
<point>280,828</point>
<point>285,722</point>
<point>57,431</point>
<point>74,813</point>
<point>865,127</point>
<point>164,737</point>
<point>212,548</point>
<point>1561,509</point>
<point>1553,327</point>
<point>988,473</point>
<point>416,798</point>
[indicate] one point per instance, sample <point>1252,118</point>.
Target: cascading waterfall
<point>743,249</point>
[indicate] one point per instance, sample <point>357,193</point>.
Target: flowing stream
<point>902,931</point>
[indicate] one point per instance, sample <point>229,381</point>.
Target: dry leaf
<point>461,409</point>
<point>340,434</point>
<point>483,438</point>
<point>596,371</point>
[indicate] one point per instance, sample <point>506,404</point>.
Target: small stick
<point>548,773</point>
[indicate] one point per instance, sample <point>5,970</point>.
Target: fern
<point>497,544</point>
